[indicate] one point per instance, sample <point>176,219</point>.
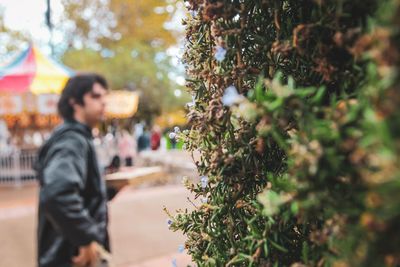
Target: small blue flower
<point>169,222</point>
<point>191,104</point>
<point>220,53</point>
<point>204,181</point>
<point>193,13</point>
<point>181,248</point>
<point>204,200</point>
<point>174,263</point>
<point>231,96</point>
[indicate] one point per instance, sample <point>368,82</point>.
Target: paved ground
<point>140,236</point>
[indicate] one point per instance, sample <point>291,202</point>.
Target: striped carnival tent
<point>29,89</point>
<point>33,72</point>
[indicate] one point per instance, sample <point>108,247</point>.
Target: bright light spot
<point>170,8</point>
<point>173,51</point>
<point>134,53</point>
<point>178,93</point>
<point>172,76</point>
<point>159,57</point>
<point>175,61</point>
<point>107,53</point>
<point>159,10</point>
<point>159,75</point>
<point>117,36</point>
<point>180,80</point>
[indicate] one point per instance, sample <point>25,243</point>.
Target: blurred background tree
<point>10,40</point>
<point>127,41</point>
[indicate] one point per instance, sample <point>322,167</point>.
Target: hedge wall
<point>296,116</point>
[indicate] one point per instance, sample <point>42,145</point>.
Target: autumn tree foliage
<point>127,42</point>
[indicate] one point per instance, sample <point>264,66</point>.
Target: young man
<point>73,200</point>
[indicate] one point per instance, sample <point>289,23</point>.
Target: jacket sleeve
<point>64,179</point>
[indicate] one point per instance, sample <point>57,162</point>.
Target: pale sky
<point>28,15</point>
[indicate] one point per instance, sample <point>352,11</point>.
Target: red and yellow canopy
<point>32,83</point>
<point>33,72</point>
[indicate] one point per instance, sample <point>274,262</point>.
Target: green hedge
<point>296,117</point>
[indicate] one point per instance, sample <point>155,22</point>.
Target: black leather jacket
<point>72,198</point>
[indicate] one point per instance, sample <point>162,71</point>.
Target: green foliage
<point>303,170</point>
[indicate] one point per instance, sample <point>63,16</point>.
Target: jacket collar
<point>83,128</point>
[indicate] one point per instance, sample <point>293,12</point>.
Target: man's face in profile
<point>94,105</point>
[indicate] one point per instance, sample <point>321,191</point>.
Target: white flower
<point>247,111</point>
<point>172,135</point>
<point>231,96</point>
<point>220,53</point>
<point>191,104</point>
<point>204,181</point>
<point>176,129</point>
<point>193,13</point>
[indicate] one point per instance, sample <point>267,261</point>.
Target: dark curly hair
<point>76,87</point>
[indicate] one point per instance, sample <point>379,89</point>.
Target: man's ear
<point>71,102</point>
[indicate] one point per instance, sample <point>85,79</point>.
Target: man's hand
<point>88,256</point>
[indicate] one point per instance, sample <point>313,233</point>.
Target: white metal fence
<point>16,167</point>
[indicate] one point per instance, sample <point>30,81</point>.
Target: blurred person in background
<point>127,148</point>
<point>144,140</point>
<point>4,137</point>
<point>155,138</point>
